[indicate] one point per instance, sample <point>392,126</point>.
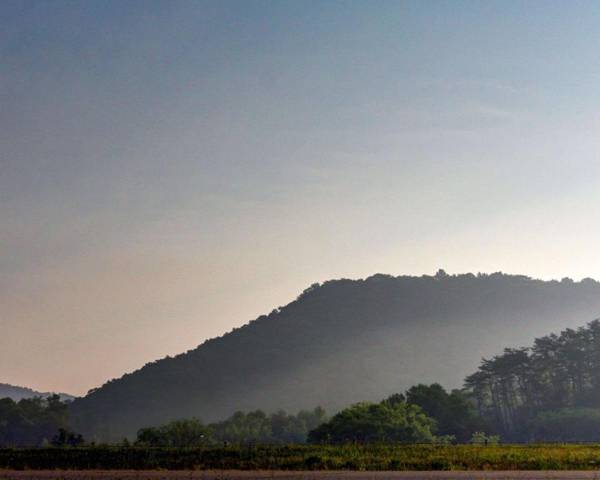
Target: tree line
<point>423,414</point>
<point>549,391</point>
<point>240,428</point>
<point>35,421</point>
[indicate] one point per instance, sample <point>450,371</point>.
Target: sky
<point>170,170</point>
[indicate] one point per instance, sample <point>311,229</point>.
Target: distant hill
<point>341,342</point>
<point>18,393</point>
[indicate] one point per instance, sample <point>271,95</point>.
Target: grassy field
<point>305,457</point>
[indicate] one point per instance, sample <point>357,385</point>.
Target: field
<point>309,458</point>
<point>291,475</point>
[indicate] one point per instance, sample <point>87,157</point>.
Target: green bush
<point>376,422</point>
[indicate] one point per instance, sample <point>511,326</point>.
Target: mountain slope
<point>338,343</point>
<point>18,393</point>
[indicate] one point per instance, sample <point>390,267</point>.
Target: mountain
<point>18,393</point>
<point>339,343</point>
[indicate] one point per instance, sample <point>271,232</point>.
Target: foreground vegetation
<point>310,457</point>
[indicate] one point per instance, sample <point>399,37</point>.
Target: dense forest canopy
<point>33,421</point>
<point>549,391</point>
<point>338,343</point>
<point>453,412</point>
<point>240,428</point>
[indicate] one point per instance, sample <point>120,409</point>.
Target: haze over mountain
<point>18,393</point>
<point>339,343</point>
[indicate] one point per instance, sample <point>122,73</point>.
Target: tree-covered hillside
<point>339,343</point>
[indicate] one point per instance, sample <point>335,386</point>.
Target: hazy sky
<point>170,170</point>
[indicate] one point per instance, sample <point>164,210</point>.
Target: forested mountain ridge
<point>17,393</point>
<point>338,343</point>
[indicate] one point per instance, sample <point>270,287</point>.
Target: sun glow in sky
<point>171,170</point>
